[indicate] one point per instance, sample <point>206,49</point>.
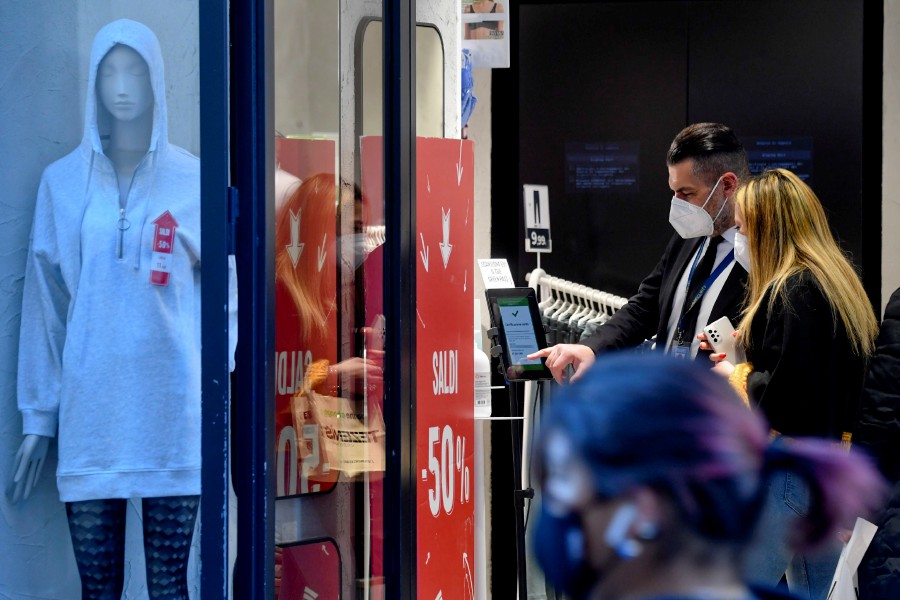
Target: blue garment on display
<point>468,86</point>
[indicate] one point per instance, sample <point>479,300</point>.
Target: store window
<point>329,322</point>
<point>102,449</point>
<point>342,194</point>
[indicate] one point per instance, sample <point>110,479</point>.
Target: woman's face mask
<point>742,251</point>
<point>560,551</point>
<point>691,221</point>
<point>561,548</point>
<point>559,540</point>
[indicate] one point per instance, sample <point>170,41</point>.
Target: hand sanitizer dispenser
<point>482,372</point>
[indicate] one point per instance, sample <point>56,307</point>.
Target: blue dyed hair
<point>677,427</point>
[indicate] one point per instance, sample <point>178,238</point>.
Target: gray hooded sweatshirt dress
<point>109,361</point>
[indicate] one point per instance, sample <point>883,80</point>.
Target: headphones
<point>616,535</point>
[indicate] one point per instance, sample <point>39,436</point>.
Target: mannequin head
<point>125,108</point>
<point>123,84</point>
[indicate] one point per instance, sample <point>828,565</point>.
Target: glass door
<point>329,340</point>
<point>322,424</point>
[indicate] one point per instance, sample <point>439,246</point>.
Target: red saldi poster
<point>445,368</point>
<point>444,403</point>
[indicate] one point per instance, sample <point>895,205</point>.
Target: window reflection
<point>329,345</point>
<point>328,395</point>
<point>306,343</point>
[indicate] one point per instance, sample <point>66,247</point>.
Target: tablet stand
<point>519,494</point>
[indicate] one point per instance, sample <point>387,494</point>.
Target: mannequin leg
<point>97,528</point>
<point>168,528</point>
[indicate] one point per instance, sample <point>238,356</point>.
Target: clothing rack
<point>571,311</point>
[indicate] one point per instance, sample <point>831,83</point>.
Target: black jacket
<point>878,432</point>
<point>647,313</point>
<point>806,378</point>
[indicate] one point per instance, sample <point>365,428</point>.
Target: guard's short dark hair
<point>715,150</point>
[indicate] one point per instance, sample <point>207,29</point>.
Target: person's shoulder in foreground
<point>765,593</point>
<point>756,593</point>
<point>653,478</point>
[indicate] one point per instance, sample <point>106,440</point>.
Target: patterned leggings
<point>97,528</point>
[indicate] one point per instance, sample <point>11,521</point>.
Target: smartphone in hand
<point>720,335</point>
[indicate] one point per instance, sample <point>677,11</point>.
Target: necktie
<point>701,273</point>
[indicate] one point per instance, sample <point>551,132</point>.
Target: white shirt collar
<point>728,235</point>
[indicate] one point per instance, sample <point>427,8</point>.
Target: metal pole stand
<point>519,494</point>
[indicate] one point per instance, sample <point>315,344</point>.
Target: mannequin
<point>109,356</point>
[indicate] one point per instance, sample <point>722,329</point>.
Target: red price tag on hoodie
<point>163,242</point>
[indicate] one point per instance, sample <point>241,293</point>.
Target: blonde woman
<point>807,330</point>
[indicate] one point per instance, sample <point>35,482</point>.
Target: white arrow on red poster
<point>295,248</point>
<point>163,244</point>
<point>424,252</point>
<point>446,246</point>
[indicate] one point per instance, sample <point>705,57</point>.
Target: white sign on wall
<point>495,273</point>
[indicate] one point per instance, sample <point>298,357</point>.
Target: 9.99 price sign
<point>537,218</point>
<point>445,392</point>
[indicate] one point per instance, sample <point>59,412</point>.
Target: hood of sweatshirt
<point>142,40</point>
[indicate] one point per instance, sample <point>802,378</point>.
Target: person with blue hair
<point>653,474</point>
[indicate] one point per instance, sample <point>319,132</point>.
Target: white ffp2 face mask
<point>691,221</point>
<point>742,251</point>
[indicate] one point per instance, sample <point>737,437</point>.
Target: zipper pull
<point>122,225</point>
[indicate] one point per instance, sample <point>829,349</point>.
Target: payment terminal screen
<point>519,330</point>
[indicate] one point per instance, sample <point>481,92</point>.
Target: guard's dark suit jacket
<point>647,313</point>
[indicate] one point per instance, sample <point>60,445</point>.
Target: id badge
<point>683,352</point>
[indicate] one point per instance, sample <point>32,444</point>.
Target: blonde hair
<point>787,233</point>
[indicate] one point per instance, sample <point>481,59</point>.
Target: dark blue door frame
<point>215,247</point>
<point>399,103</point>
<point>253,411</point>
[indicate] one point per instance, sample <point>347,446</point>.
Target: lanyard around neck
<point>689,304</point>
